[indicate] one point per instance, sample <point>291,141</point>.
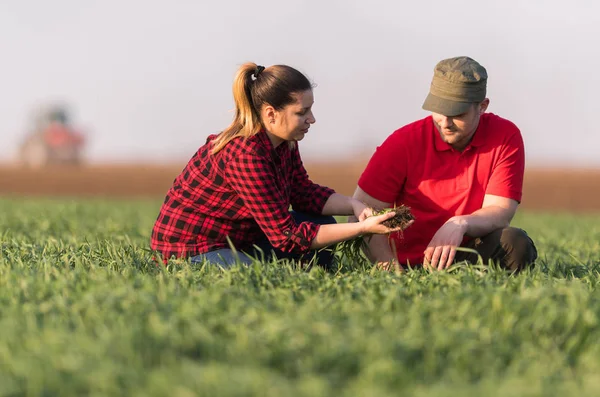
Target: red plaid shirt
<point>243,192</point>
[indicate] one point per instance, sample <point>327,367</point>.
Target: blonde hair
<point>253,87</point>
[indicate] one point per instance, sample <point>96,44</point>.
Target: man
<point>460,171</point>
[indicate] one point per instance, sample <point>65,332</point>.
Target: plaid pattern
<point>243,192</point>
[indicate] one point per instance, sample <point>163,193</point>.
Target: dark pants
<point>324,256</point>
<point>510,247</point>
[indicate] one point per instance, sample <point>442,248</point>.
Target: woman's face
<point>292,122</point>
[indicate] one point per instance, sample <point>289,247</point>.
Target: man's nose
<point>446,122</point>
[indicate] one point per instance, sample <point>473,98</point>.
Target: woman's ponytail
<point>247,120</point>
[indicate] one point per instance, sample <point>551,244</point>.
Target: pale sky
<point>150,79</point>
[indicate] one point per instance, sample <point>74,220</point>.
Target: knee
<point>519,247</point>
<point>224,258</point>
<point>514,236</point>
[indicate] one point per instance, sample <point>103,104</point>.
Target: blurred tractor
<point>52,140</point>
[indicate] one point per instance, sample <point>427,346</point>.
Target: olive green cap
<point>457,83</point>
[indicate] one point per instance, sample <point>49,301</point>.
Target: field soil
<point>575,190</point>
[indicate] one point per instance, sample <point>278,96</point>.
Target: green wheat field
<point>85,311</point>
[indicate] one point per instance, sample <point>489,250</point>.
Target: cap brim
<point>443,106</point>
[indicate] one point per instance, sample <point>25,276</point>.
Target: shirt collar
<point>264,140</point>
<point>477,140</point>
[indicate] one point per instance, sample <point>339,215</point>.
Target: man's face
<point>457,131</point>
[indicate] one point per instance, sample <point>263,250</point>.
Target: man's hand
<point>441,250</point>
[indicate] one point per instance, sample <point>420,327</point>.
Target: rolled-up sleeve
<point>252,178</point>
<point>306,195</point>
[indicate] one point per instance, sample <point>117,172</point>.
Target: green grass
<point>84,311</point>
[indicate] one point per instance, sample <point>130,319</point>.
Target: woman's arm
<point>253,180</point>
<point>337,232</point>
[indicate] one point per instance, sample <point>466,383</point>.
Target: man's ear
<point>484,105</point>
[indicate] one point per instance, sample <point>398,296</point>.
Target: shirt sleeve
<point>306,196</point>
<point>252,178</point>
<point>384,176</point>
<point>507,176</point>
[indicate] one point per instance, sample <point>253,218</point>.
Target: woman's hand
<point>373,224</point>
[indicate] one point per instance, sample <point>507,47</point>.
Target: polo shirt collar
<point>477,141</point>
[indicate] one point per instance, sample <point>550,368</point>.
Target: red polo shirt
<point>415,167</point>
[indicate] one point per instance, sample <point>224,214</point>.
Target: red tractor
<point>52,140</point>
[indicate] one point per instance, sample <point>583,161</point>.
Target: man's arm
<point>379,250</point>
<point>496,213</point>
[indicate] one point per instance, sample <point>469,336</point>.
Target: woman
<point>237,189</point>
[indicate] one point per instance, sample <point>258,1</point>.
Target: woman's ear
<point>270,114</point>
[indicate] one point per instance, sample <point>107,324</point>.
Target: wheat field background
<point>84,310</point>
